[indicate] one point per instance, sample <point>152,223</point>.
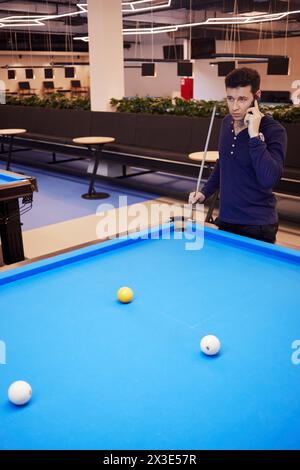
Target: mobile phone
<point>253,103</point>
<point>255,98</point>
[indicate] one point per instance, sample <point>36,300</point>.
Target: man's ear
<point>257,95</point>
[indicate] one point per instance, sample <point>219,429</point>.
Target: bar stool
<point>94,145</point>
<point>10,133</point>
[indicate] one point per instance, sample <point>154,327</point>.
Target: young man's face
<point>239,100</point>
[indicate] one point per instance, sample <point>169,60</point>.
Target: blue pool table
<point>107,375</point>
<point>14,186</point>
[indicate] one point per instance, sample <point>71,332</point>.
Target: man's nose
<point>235,104</point>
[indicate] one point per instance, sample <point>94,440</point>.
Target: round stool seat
<point>93,140</point>
<point>12,131</point>
<point>211,156</point>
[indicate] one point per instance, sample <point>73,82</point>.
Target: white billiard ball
<point>19,393</point>
<point>210,345</point>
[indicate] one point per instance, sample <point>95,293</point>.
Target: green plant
<point>55,100</point>
<point>176,106</point>
<point>198,108</point>
<point>152,105</point>
<point>287,114</point>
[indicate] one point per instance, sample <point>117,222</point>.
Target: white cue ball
<point>210,345</point>
<point>19,393</point>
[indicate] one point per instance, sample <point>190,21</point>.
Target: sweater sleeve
<point>268,157</point>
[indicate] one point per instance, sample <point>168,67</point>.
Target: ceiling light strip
<point>38,20</point>
<point>209,22</point>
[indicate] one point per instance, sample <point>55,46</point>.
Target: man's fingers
<point>191,198</point>
<point>194,198</point>
<point>249,115</point>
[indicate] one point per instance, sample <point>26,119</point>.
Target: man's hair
<point>243,77</point>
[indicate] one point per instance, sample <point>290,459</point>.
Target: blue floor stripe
<point>159,179</point>
<point>59,197</point>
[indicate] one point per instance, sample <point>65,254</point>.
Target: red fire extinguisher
<point>187,88</point>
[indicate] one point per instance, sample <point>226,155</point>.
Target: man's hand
<point>252,120</point>
<point>196,197</point>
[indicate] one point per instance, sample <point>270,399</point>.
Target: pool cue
<point>204,155</point>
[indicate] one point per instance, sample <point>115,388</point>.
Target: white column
<point>187,49</point>
<point>106,52</point>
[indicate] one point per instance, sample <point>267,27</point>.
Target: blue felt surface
<point>8,179</point>
<point>59,197</point>
<point>112,376</point>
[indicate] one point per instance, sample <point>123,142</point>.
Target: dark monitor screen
<point>11,74</point>
<point>224,68</point>
<point>69,72</point>
<point>24,86</point>
<point>202,48</point>
<point>48,73</point>
<point>173,52</point>
<point>148,69</point>
<point>276,96</point>
<point>29,73</point>
<point>49,85</point>
<point>75,83</point>
<point>185,69</point>
<point>278,66</point>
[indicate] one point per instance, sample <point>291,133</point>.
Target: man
<point>252,150</point>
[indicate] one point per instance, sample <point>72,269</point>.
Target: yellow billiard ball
<point>125,295</point>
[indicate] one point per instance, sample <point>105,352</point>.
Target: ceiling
<point>59,30</point>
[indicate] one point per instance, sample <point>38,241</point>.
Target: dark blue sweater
<point>246,172</point>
